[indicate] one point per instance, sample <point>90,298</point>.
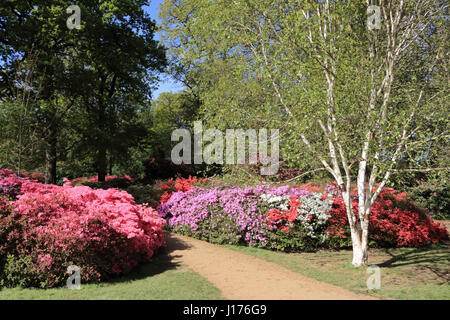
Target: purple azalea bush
<point>226,216</point>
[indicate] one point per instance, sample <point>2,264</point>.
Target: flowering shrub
<point>288,219</point>
<point>253,215</point>
<point>302,218</point>
<point>36,176</point>
<point>394,221</point>
<point>49,228</point>
<point>10,186</point>
<point>221,216</point>
<point>179,185</point>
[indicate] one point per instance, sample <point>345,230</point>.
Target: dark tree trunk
<point>102,163</point>
<point>102,158</point>
<point>110,164</point>
<point>51,157</point>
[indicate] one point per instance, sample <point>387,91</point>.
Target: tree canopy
<point>89,83</point>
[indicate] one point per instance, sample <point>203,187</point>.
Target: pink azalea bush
<point>49,228</point>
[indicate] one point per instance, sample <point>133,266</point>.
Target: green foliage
<point>294,241</point>
<point>143,193</point>
<point>264,64</point>
<point>434,198</point>
<point>89,84</point>
<point>169,112</point>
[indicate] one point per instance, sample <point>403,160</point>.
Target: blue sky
<point>167,84</point>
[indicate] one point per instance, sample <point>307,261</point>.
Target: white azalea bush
<point>302,220</point>
<point>314,215</point>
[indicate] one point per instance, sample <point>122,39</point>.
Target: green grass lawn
<point>406,273</point>
<point>161,279</point>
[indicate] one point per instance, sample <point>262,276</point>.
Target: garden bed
<point>305,218</point>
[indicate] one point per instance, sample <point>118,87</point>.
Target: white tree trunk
<point>360,242</point>
<point>360,253</point>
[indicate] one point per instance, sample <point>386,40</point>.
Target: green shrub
<point>294,241</point>
<point>144,193</point>
<point>118,183</point>
<point>434,198</point>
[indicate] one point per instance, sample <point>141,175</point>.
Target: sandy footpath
<point>240,276</point>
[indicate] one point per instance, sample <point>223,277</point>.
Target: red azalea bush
<point>394,221</point>
<point>10,186</point>
<point>180,184</point>
<point>285,173</point>
<point>49,228</point>
<point>36,176</point>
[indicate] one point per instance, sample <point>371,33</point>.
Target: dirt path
<point>239,276</point>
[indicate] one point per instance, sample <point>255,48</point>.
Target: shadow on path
<point>161,262</point>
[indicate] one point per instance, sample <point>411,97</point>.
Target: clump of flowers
<point>232,215</point>
<point>179,185</point>
<point>394,221</point>
<point>303,218</point>
<point>49,228</point>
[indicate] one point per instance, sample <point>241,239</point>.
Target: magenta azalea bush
<point>46,228</point>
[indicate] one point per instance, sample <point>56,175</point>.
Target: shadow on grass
<point>434,258</point>
<point>161,262</point>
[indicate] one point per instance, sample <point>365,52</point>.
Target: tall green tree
<point>19,140</point>
<point>358,95</point>
<point>108,66</point>
<point>39,27</point>
<point>121,61</point>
